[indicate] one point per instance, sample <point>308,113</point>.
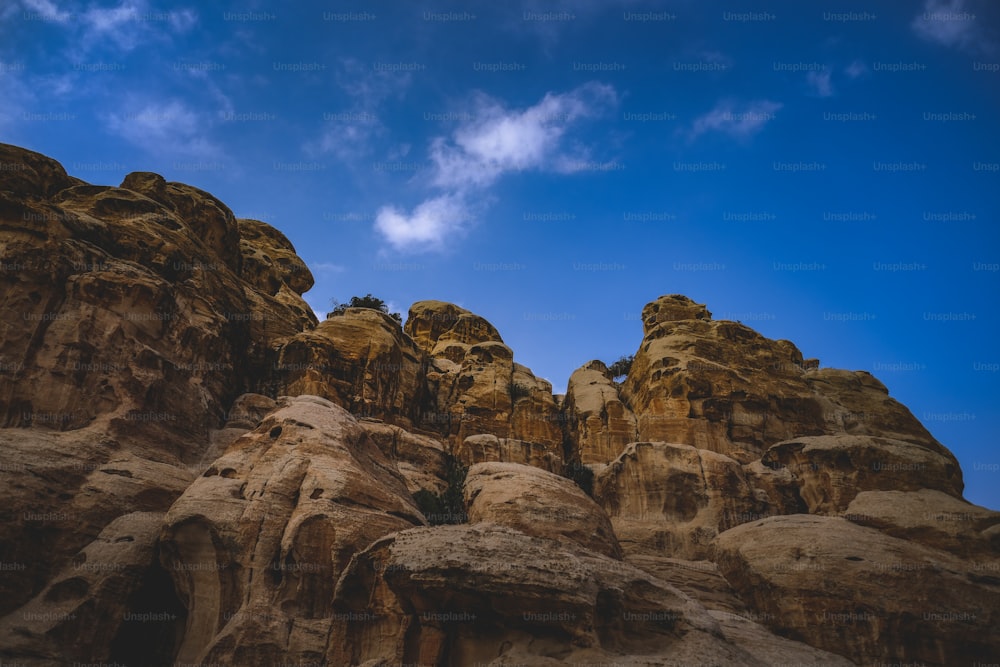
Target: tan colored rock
<point>462,595</point>
<point>27,173</point>
<point>599,423</point>
<point>111,603</point>
<point>256,544</point>
<point>537,503</point>
<point>421,459</point>
<point>269,259</point>
<point>209,220</point>
<point>719,385</point>
<point>485,447</point>
<point>831,470</point>
<point>672,500</point>
<point>935,519</point>
<point>128,307</point>
<point>360,360</point>
<point>862,594</point>
<point>429,322</point>
<point>62,489</point>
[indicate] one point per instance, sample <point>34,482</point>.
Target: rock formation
<point>195,471</point>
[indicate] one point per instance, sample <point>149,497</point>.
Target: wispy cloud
<point>819,82</point>
<point>949,23</point>
<point>168,126</point>
<point>856,69</point>
<point>122,26</point>
<point>490,143</point>
<point>738,121</point>
<point>349,132</point>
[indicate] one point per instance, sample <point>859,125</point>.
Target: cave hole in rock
<point>151,633</point>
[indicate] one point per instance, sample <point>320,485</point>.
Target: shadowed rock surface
<point>195,471</point>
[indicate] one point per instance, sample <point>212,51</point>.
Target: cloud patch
<point>493,141</point>
<point>949,23</point>
<point>738,121</point>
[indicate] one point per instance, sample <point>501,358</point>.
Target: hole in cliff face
<point>275,432</point>
<point>154,623</point>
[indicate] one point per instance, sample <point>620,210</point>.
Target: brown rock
<point>113,602</point>
<point>421,459</point>
<point>860,593</point>
<point>431,322</point>
<point>27,173</point>
<point>269,259</point>
<point>461,595</point>
<point>599,423</point>
<point>257,542</point>
<point>673,499</point>
<point>538,503</point>
<point>721,386</point>
<point>210,221</point>
<point>360,360</point>
<point>935,519</point>
<point>831,470</point>
<point>484,447</point>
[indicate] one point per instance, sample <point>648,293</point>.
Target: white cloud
<point>948,23</point>
<point>739,122</point>
<point>819,82</point>
<point>427,227</point>
<point>489,143</point>
<point>46,10</point>
<point>856,69</point>
<point>496,141</point>
<point>163,127</point>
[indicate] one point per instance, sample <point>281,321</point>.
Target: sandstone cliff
<point>195,471</point>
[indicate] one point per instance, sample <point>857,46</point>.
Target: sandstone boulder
<point>722,386</point>
<point>831,470</point>
<point>487,594</point>
<point>360,360</point>
<point>935,519</point>
<point>538,503</point>
<point>599,424</point>
<point>672,499</point>
<point>256,543</point>
<point>485,447</point>
<point>862,594</point>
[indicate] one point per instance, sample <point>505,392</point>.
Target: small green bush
<point>447,507</point>
<point>621,367</point>
<point>366,301</point>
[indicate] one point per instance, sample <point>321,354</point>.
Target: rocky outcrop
<point>598,423</point>
<point>935,519</point>
<point>673,499</point>
<point>360,360</point>
<point>482,448</point>
<point>721,386</point>
<point>831,470</point>
<point>538,503</point>
<point>195,472</point>
<point>861,593</point>
<point>257,542</point>
<point>126,308</point>
<point>487,594</point>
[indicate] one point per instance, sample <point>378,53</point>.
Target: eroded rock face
<point>599,424</point>
<point>831,470</point>
<point>257,542</point>
<point>673,499</point>
<point>861,593</point>
<point>721,386</point>
<point>127,307</point>
<point>538,503</point>
<point>360,360</point>
<point>461,595</point>
<point>482,448</point>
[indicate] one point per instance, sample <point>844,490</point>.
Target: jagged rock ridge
<point>197,471</point>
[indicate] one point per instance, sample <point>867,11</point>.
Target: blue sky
<point>823,172</point>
